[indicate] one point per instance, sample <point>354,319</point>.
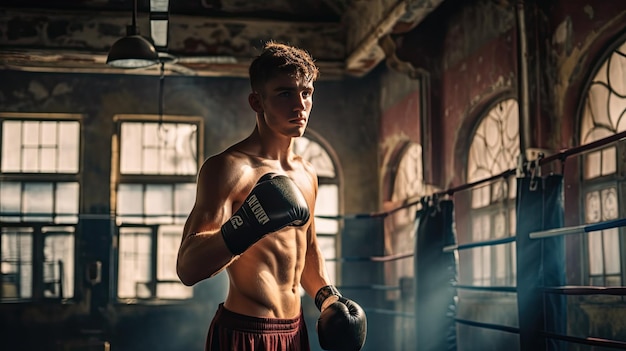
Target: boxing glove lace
<point>274,203</point>
<point>342,324</point>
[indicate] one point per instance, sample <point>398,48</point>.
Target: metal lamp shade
<point>133,51</point>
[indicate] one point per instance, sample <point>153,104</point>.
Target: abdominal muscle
<point>265,279</point>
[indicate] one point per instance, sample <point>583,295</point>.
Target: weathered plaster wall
<point>469,50</point>
<point>400,123</point>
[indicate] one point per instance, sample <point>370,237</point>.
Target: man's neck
<point>269,147</point>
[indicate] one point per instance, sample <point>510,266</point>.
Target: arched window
<point>408,185</point>
<point>327,206</point>
<point>604,114</point>
<point>494,149</point>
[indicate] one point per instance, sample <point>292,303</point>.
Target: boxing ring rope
<point>591,341</point>
<point>584,228</point>
<point>452,248</point>
<point>387,258</point>
<point>582,290</point>
<point>491,326</point>
<point>559,156</point>
<point>562,290</point>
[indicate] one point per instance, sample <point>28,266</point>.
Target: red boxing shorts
<point>233,331</point>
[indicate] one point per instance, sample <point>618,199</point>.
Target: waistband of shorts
<point>243,322</point>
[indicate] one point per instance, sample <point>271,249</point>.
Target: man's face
<point>286,102</point>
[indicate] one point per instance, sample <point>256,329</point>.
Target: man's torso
<point>265,279</point>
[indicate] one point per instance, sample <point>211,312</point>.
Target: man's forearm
<point>201,256</point>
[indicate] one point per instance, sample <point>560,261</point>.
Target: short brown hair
<point>279,58</point>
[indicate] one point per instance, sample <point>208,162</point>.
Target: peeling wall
<point>469,51</point>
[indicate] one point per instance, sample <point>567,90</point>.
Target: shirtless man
<point>253,216</point>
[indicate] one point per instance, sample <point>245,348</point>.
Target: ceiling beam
<point>370,20</point>
<point>66,40</point>
<point>78,41</point>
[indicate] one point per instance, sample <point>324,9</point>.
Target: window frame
<point>505,204</point>
<point>38,236</point>
<point>117,178</point>
<point>602,181</point>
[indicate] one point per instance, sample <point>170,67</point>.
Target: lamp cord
<point>134,17</point>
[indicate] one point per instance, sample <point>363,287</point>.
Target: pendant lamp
<point>132,51</point>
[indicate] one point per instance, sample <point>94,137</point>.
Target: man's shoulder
<point>225,158</point>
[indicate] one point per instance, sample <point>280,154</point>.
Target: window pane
<point>481,256</point>
<point>35,202</point>
<point>48,160</point>
<point>592,207</point>
<point>48,147</point>
<point>499,190</point>
<point>512,222</point>
<point>513,263</point>
<point>158,31</point>
<point>151,157</point>
<point>313,152</point>
<point>596,266</point>
<point>59,262</point>
<point>327,204</point>
<point>11,146</point>
<point>135,252</point>
<point>186,149</point>
<point>69,139</point>
<point>159,5</point>
<point>67,203</point>
<point>611,251</point>
<point>158,148</point>
<point>512,188</point>
<point>169,285</point>
<point>130,203</point>
<point>168,241</point>
<point>17,262</point>
<point>38,199</point>
<point>10,201</point>
<point>609,158</point>
<point>495,144</point>
<point>501,263</point>
<point>48,134</point>
<point>481,227</point>
<point>130,148</point>
<point>480,196</point>
<point>184,198</point>
<point>40,146</point>
<point>30,159</point>
<point>499,225</point>
<point>159,203</point>
<point>609,204</point>
<point>31,133</point>
<point>592,165</point>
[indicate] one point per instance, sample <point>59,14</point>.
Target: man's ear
<point>254,99</point>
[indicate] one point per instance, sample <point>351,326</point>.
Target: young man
<point>253,216</point>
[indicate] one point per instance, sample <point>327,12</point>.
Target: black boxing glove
<point>342,325</point>
<point>274,203</point>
